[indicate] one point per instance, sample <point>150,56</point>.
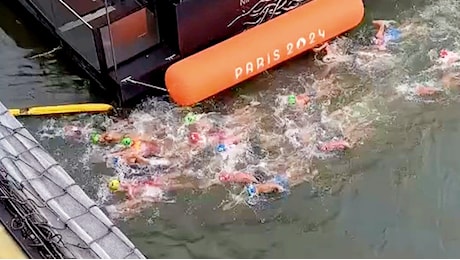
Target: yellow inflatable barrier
<point>61,109</point>
<point>9,249</point>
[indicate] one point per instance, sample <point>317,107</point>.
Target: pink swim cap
<point>443,53</point>
<point>194,137</point>
<point>224,177</point>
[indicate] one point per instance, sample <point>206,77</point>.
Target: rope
<point>130,80</point>
<point>48,53</point>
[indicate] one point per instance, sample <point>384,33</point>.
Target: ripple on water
<point>352,203</point>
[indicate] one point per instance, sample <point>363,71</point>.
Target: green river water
<point>394,196</point>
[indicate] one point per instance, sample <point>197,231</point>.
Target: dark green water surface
<point>397,195</point>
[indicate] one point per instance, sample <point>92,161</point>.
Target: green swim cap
<point>292,100</point>
<point>126,141</point>
<point>190,118</point>
<point>95,137</point>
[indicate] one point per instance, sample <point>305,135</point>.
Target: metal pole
<point>114,60</point>
<point>76,14</point>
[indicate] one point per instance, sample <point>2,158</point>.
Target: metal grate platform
<point>53,214</point>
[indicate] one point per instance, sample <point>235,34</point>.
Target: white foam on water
<point>278,137</point>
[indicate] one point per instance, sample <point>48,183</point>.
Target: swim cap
<point>224,177</point>
<point>292,100</point>
<point>126,141</point>
<point>221,148</point>
<point>114,185</point>
<point>251,190</point>
<point>194,137</point>
<point>392,34</point>
<point>443,53</point>
<point>190,118</point>
<point>115,161</point>
<point>95,137</point>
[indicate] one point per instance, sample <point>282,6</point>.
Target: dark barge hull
<point>112,89</point>
<point>178,29</point>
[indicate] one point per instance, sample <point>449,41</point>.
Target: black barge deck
<point>127,45</point>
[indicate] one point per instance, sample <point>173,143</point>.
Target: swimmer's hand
<point>269,187</point>
<point>426,91</point>
<point>385,23</point>
<point>334,145</point>
<point>110,137</point>
<point>451,80</point>
<point>238,177</point>
<point>382,48</point>
<point>389,22</point>
<point>135,159</point>
<point>320,48</point>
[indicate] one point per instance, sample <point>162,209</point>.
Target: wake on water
<point>282,130</point>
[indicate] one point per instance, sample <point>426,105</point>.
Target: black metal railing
<point>20,216</point>
<point>53,215</point>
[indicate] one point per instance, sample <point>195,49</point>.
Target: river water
<point>394,196</point>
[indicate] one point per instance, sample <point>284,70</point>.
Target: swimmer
<point>301,100</point>
<point>451,80</point>
<point>330,52</point>
<point>425,91</point>
<point>75,131</point>
<point>108,137</point>
<point>114,137</point>
<point>448,58</point>
<point>139,153</point>
<point>201,122</point>
<point>148,190</point>
<point>205,132</point>
<point>138,196</point>
<point>225,137</point>
<point>334,52</point>
<point>237,177</point>
<point>241,178</point>
<point>215,138</point>
<point>386,33</point>
<point>264,188</point>
<point>335,145</point>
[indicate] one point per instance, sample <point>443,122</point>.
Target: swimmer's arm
<point>140,159</point>
<point>382,23</point>
<point>118,153</point>
<point>132,158</point>
<point>126,153</point>
<point>111,137</point>
<point>378,23</point>
<point>180,186</point>
<point>126,207</point>
<point>142,138</point>
<point>318,49</point>
<point>248,177</point>
<point>268,187</point>
<point>130,192</point>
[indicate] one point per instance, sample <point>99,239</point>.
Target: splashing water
<point>282,129</point>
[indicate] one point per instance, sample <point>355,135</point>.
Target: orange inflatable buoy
<point>251,52</point>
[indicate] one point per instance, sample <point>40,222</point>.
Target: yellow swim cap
<point>114,185</point>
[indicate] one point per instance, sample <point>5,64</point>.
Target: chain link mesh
<point>53,214</point>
